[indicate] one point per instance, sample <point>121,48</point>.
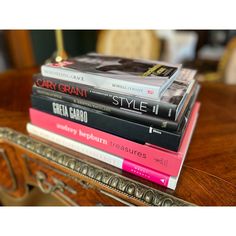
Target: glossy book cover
<point>143,78</point>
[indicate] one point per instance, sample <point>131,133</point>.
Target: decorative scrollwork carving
<point>110,179</point>
<point>48,188</point>
<point>45,186</point>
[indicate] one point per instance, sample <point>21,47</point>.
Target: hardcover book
<point>144,78</point>
<point>121,163</point>
<point>139,117</point>
<point>165,161</point>
<point>106,122</point>
<point>169,106</point>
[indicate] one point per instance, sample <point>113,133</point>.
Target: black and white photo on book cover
<point>126,68</point>
<point>180,87</point>
<point>116,73</point>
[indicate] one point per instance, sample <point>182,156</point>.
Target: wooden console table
<point>208,177</point>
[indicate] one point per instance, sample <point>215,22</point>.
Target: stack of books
<point>137,115</point>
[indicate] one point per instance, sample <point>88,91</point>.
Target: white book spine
<point>85,149</point>
<point>102,82</point>
<point>76,146</point>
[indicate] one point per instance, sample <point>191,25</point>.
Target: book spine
<point>107,123</point>
<point>141,105</point>
<point>126,165</point>
<point>122,113</point>
<point>161,160</point>
<point>102,82</point>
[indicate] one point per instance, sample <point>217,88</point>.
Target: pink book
<point>126,165</point>
<point>165,161</point>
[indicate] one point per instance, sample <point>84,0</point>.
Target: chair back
<point>226,68</point>
<point>227,57</point>
<point>129,43</point>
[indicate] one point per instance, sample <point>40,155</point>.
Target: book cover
<point>122,113</point>
<point>162,160</point>
<point>143,78</point>
<point>103,121</point>
<point>126,165</point>
<point>169,106</point>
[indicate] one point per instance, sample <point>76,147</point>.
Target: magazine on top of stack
<point>76,104</point>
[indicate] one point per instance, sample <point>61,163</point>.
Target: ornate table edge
<point>124,185</point>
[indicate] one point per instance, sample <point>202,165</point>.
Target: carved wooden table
<point>208,176</point>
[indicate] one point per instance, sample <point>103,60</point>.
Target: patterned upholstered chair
<point>129,43</point>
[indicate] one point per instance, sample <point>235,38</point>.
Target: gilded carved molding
<point>102,176</point>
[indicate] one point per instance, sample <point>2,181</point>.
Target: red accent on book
<point>165,161</point>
